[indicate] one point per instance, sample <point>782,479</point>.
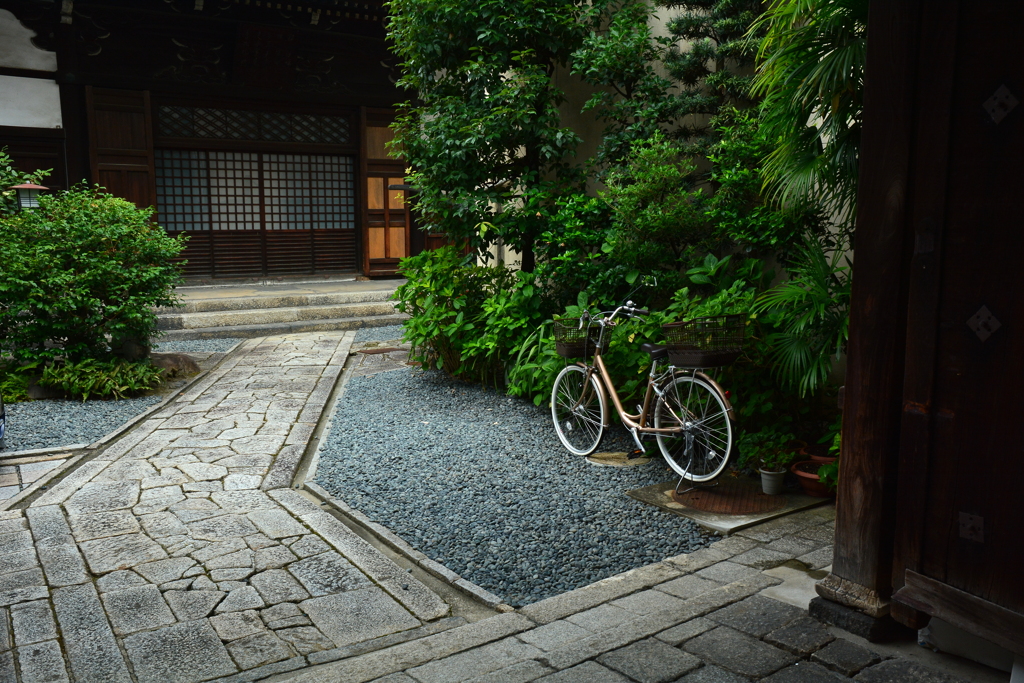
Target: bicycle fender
<point>721,393</point>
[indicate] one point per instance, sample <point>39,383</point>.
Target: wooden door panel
<point>121,143</point>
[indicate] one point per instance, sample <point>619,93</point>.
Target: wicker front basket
<point>705,342</point>
<point>573,342</point>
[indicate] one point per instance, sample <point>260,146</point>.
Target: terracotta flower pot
<point>806,472</point>
<point>818,452</point>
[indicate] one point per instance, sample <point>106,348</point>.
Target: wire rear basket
<point>573,342</point>
<point>705,342</point>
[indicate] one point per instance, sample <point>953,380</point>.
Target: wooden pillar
<point>861,570</point>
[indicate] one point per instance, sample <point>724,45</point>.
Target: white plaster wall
<point>17,50</point>
<point>29,102</point>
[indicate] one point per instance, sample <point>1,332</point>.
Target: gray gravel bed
<point>386,333</point>
<point>480,482</point>
<point>48,424</point>
<point>197,345</point>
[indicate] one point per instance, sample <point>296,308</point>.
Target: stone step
<point>267,316</point>
<point>287,327</point>
<point>351,295</point>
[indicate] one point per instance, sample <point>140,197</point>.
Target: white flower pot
<point>771,482</point>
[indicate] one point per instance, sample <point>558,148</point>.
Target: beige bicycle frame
<point>639,422</point>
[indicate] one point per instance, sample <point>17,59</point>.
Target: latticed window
<point>204,190</point>
<point>233,124</point>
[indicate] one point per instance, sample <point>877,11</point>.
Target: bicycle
<point>692,416</point>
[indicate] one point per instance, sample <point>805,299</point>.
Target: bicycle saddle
<point>657,352</point>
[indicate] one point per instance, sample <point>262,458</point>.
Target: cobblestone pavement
<point>180,553</point>
<point>18,476</point>
<point>697,618</point>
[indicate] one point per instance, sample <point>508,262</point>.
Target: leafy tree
<point>812,80</point>
<point>484,137</point>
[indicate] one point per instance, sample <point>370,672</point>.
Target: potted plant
<point>770,451</point>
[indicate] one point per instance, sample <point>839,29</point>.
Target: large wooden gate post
<point>861,570</point>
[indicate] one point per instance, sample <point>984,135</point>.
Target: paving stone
<point>726,572</point>
<point>738,652</point>
<point>822,534</point>
<point>818,558</point>
<point>801,636</point>
<point>601,618</point>
<point>259,649</point>
<point>42,663</point>
<point>240,482</point>
<point>804,672</point>
<point>7,672</point>
<point>6,640</point>
<point>178,585</point>
<point>48,527</point>
<point>712,674</point>
<point>221,528</point>
<point>587,672</point>
<point>103,524</point>
<point>169,476</point>
<point>90,645</point>
<point>687,587</point>
<point>33,623</point>
<point>305,639</point>
<point>238,559</point>
<point>17,542</point>
<point>103,496</point>
<point>904,671</point>
<point>204,584</point>
<point>555,634</point>
<point>478,662</point>
<point>776,528</point>
<point>228,586</point>
<point>793,545</point>
<point>119,580</point>
<point>193,604</point>
<point>163,571</point>
<point>235,625</point>
<point>240,599</point>
<point>243,501</point>
<point>757,615</point>
<point>213,550</point>
<point>128,469</point>
<point>762,558</point>
<point>219,576</point>
<point>308,546</point>
<point>20,580</point>
<point>181,653</point>
<point>19,561</point>
<point>120,552</point>
<point>9,526</point>
<point>201,471</point>
<point>161,524</point>
<point>193,486</point>
<point>683,632</point>
<point>647,601</point>
<point>845,657</point>
<point>328,573</point>
<point>358,615</point>
<point>259,542</point>
<point>273,557</point>
<point>276,523</point>
<point>650,661</point>
<point>277,585</point>
<point>63,565</point>
<point>280,611</point>
<point>136,609</point>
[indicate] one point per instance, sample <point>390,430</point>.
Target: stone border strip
<point>103,444</point>
<point>381,532</point>
<point>34,452</point>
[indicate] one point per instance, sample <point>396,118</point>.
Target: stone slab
<point>650,661</point>
<point>259,649</point>
<point>756,616</point>
<point>193,604</point>
<point>738,652</point>
<point>136,609</point>
<point>88,640</point>
<point>358,615</point>
<point>33,623</point>
<point>327,573</point>
<point>182,653</point>
<point>845,657</point>
<point>42,663</point>
<point>120,552</point>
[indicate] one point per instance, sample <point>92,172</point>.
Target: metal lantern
<point>28,195</point>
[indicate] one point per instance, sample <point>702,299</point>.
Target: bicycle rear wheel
<point>701,452</point>
<point>577,409</point>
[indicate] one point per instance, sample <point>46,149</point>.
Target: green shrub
<point>81,275</point>
<point>104,379</point>
<point>14,380</point>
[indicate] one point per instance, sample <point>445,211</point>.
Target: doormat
<point>730,493</point>
<point>617,459</point>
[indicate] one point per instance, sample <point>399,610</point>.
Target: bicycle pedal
<point>634,454</point>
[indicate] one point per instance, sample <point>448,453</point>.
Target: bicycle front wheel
<point>577,409</point>
<point>701,451</point>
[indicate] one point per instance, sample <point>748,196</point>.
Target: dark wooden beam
<point>861,571</point>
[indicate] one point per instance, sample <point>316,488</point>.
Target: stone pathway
<point>21,473</point>
<point>180,553</point>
